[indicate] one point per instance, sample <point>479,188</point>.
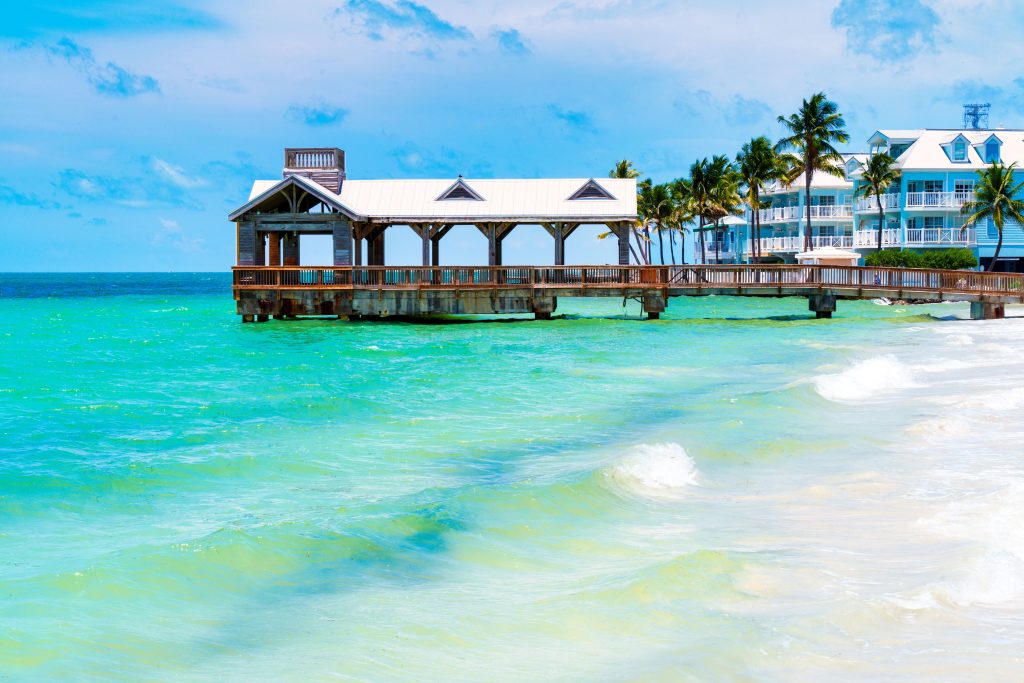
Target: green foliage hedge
<point>945,259</point>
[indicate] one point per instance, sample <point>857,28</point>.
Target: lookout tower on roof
<point>323,165</point>
<point>976,116</point>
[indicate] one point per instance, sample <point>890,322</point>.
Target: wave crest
<point>662,469</point>
<point>865,380</point>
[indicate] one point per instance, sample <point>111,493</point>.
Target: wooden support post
<point>378,248</point>
<point>654,304</point>
<point>262,317</point>
<point>357,251</point>
<point>983,310</point>
<point>560,232</point>
<point>621,231</point>
<point>260,257</point>
<point>437,232</point>
<point>424,232</point>
<point>823,305</point>
<point>246,243</point>
<point>290,249</point>
<point>342,235</point>
<point>493,257</point>
<point>248,317</point>
<point>274,249</point>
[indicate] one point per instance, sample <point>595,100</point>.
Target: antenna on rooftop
<point>976,116</point>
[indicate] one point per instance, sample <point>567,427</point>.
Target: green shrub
<point>950,259</point>
<point>894,258</point>
<point>944,259</point>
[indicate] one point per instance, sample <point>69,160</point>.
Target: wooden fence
<point>737,277</point>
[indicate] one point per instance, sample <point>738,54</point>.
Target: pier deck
<point>264,291</point>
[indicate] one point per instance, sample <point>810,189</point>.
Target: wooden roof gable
<point>294,194</point>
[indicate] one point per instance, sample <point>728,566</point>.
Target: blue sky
<point>130,130</point>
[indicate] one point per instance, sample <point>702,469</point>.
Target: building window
<point>991,152</point>
<point>933,222</point>
<point>959,151</point>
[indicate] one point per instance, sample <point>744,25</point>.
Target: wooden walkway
<point>387,290</point>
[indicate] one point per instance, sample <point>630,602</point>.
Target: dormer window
<point>959,151</point>
<point>991,152</point>
<point>460,191</point>
<point>591,190</point>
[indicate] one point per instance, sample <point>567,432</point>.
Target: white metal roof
<point>512,199</point>
<point>928,151</point>
<point>819,181</point>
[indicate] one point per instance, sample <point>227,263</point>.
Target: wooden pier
<point>375,291</point>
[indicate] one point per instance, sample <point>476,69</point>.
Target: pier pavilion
<point>315,198</point>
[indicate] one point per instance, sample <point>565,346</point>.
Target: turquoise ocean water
<point>737,492</point>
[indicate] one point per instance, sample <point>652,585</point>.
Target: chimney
<point>322,165</point>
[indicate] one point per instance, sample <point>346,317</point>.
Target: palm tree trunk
<point>755,250</point>
<point>999,245</point>
<point>672,244</point>
<point>881,220</point>
<point>807,198</point>
<point>661,245</point>
<point>718,243</point>
<point>633,251</point>
<point>703,248</point>
<point>640,245</point>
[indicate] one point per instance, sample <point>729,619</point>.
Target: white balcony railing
<point>779,213</point>
<point>724,249</point>
<point>833,211</point>
<point>889,202</point>
<point>786,243</point>
<point>834,241</point>
<point>795,213</point>
<point>952,236</point>
<point>938,200</point>
<point>867,239</point>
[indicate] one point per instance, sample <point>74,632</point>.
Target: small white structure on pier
<point>828,256</point>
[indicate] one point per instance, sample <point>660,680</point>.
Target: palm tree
<point>758,165</point>
<point>876,177</point>
<point>708,194</point>
<point>814,130</point>
<point>655,206</point>
<point>726,200</point>
<point>994,199</point>
<point>624,169</point>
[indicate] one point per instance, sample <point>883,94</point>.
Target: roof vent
<point>591,190</point>
<point>460,190</point>
<point>323,165</point>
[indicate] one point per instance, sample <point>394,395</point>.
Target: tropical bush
<point>944,259</point>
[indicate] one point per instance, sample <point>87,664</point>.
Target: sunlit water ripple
<point>735,492</point>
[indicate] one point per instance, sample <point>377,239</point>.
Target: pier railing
<point>739,277</point>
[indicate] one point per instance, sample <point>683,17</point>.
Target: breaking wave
<point>662,469</point>
<point>865,380</point>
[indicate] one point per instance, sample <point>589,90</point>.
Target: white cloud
<point>172,235</point>
<point>176,174</point>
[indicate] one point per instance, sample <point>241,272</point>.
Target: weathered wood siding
<point>290,250</point>
<point>246,244</point>
<point>342,243</point>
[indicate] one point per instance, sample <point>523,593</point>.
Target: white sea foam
<point>940,427</point>
<point>662,469</point>
<point>865,380</point>
<point>999,400</point>
<point>993,576</point>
